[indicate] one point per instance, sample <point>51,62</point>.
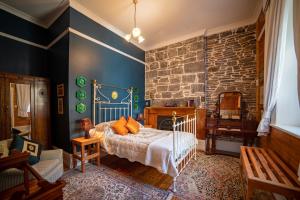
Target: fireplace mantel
<point>151,114</point>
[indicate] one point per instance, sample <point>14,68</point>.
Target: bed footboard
<point>184,141</point>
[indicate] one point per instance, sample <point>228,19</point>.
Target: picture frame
<point>147,103</point>
<point>60,106</point>
<point>60,89</point>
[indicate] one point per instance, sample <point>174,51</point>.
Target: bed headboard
<point>105,108</point>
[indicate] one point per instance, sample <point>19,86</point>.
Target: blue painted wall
<point>104,65</point>
<point>99,63</point>
<point>17,57</point>
<point>58,60</point>
<point>69,57</point>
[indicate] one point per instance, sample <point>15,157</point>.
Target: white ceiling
<point>161,21</point>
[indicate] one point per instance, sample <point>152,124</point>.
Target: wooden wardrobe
<point>39,106</point>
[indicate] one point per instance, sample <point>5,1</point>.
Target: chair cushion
<point>45,166</point>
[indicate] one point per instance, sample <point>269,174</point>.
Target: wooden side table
<point>83,142</point>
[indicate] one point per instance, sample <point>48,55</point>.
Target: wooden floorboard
<point>138,172</point>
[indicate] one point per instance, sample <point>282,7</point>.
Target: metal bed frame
<point>114,110</point>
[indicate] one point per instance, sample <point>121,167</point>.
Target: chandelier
<point>136,32</point>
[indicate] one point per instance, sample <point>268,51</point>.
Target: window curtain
<point>296,20</point>
<point>275,39</point>
<point>23,99</point>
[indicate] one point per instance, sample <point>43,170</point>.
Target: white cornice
<point>178,39</point>
<point>60,36</point>
<point>229,27</point>
<point>75,5</point>
<point>22,15</point>
<point>52,19</point>
<point>100,21</point>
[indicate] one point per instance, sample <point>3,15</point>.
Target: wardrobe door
<point>41,119</point>
<point>4,109</point>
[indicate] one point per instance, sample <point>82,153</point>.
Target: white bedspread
<point>159,153</point>
<point>150,147</point>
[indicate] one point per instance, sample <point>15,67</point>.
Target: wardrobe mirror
<point>20,105</point>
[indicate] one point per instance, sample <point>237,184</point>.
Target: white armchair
<point>50,167</point>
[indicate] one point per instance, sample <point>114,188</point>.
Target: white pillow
<point>104,125</point>
<point>4,148</point>
<point>95,134</point>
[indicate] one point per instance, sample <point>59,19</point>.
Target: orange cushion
<point>119,126</point>
<point>132,125</point>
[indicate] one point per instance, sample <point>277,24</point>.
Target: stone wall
<point>204,67</point>
<point>231,65</point>
<point>176,72</point>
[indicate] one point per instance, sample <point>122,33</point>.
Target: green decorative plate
<point>81,94</point>
<point>81,81</point>
<point>136,98</point>
<point>81,107</point>
<point>135,106</point>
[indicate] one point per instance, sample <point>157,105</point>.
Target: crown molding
<point>21,14</point>
<point>63,7</point>
<point>178,39</point>
<point>91,15</point>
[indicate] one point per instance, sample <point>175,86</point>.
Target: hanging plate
<point>80,107</point>
<point>81,81</point>
<point>81,94</point>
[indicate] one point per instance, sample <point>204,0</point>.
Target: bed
<point>167,151</point>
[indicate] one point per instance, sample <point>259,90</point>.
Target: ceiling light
<point>136,32</point>
<point>141,39</point>
<point>128,37</point>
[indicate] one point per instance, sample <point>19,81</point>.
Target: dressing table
<point>230,124</point>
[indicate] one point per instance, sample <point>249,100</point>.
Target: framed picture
<point>60,106</point>
<point>60,90</point>
<point>147,103</point>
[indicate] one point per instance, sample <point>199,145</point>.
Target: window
<point>287,107</point>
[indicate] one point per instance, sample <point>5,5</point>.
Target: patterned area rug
<point>104,183</point>
<point>210,177</point>
<point>213,177</point>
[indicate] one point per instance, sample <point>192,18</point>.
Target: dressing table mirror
<point>230,105</point>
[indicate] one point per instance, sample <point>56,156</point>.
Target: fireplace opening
<point>166,123</point>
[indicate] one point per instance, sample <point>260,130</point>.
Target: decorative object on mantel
<point>81,81</point>
<point>191,103</point>
<point>147,103</point>
<point>136,32</point>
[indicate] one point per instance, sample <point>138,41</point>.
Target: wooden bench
<point>262,169</point>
